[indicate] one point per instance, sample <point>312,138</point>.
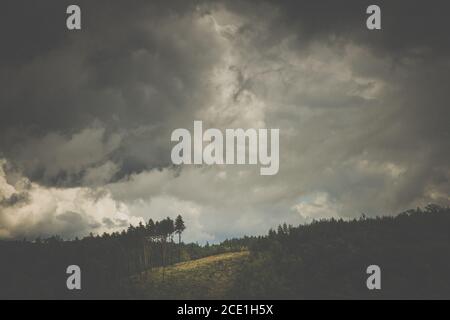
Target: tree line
<point>37,268</point>
<point>323,259</point>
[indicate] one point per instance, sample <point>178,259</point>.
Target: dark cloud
<point>406,25</point>
<point>363,114</point>
<point>142,66</point>
<point>132,68</point>
<point>15,199</point>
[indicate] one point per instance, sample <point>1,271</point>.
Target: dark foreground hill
<point>324,259</point>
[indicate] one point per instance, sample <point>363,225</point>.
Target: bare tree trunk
<point>179,246</point>
<point>163,257</point>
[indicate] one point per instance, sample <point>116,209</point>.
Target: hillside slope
<point>329,259</point>
<point>206,278</point>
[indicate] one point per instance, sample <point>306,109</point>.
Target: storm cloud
<point>86,116</point>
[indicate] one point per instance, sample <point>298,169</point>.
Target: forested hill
<point>324,259</point>
<point>329,259</point>
<point>37,268</point>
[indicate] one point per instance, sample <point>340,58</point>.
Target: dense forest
<point>328,259</point>
<point>323,259</point>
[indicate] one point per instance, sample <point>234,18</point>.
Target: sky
<point>86,116</point>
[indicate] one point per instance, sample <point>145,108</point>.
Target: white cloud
<point>68,212</point>
<point>317,206</point>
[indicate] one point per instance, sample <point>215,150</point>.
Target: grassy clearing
<point>206,278</point>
